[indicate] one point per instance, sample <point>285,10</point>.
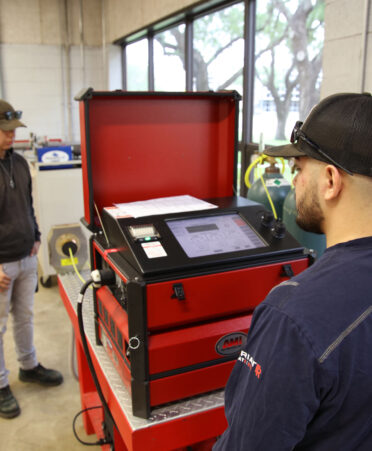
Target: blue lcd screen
<point>218,234</point>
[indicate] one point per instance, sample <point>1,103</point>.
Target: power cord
<point>98,279</point>
<point>72,351</point>
<point>72,259</point>
<point>100,442</point>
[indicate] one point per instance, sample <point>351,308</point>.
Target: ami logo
<point>231,344</point>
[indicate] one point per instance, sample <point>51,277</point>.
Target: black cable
<point>99,442</point>
<point>84,287</point>
<point>86,349</point>
<point>84,340</point>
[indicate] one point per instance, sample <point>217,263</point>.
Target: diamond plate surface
<point>197,404</point>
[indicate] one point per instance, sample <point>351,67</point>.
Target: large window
<point>270,51</point>
<point>288,61</point>
<point>169,60</point>
<point>137,66</point>
<point>218,50</point>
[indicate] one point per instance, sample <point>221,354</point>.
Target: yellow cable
<point>269,197</point>
<point>74,266</point>
<point>260,159</point>
<point>292,174</point>
<point>283,163</point>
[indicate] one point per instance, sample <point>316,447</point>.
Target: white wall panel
<point>341,65</point>
<point>342,59</point>
<point>343,18</point>
<point>33,81</point>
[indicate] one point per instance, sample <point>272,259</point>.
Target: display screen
<point>210,235</point>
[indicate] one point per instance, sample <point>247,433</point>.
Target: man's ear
<point>333,182</point>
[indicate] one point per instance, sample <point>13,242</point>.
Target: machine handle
<point>134,343</point>
<point>178,292</point>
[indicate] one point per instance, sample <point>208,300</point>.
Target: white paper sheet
<point>163,205</point>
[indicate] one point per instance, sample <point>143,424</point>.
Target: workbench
<point>189,423</point>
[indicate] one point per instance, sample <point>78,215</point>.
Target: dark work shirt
<point>18,227</point>
<point>304,379</point>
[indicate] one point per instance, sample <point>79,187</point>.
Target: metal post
<point>104,52</point>
<point>2,87</point>
<point>363,69</point>
<point>248,85</point>
<point>82,48</point>
<point>151,78</point>
<point>189,58</point>
<point>124,68</point>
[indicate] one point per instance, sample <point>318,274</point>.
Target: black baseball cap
<point>9,117</point>
<point>338,131</point>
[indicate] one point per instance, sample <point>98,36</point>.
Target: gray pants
<point>19,301</point>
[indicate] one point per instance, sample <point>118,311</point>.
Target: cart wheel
<point>46,282</point>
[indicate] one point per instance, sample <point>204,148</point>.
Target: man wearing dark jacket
<point>304,378</point>
<point>19,244</point>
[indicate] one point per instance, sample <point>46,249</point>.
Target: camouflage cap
<point>9,117</point>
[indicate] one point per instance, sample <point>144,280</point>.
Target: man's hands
<point>35,248</point>
<point>4,280</point>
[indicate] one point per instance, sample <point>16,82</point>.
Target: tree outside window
<point>288,60</point>
<point>219,50</point>
<point>288,63</point>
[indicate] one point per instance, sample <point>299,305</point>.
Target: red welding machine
<point>174,324</point>
<point>187,282</point>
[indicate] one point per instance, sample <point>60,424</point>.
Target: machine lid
<point>143,145</point>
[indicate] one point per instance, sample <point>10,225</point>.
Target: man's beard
<point>309,213</point>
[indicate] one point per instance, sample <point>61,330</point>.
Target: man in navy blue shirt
<point>304,378</point>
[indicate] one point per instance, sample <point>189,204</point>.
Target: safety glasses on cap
<point>10,115</point>
<point>297,134</point>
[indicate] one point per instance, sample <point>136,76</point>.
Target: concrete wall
<point>126,16</point>
<point>51,49</point>
<point>344,44</point>
<point>35,81</point>
<point>44,21</point>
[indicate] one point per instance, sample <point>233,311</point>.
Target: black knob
<point>267,218</point>
<point>279,229</point>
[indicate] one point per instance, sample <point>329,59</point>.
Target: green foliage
<point>288,47</point>
<point>314,22</point>
<point>213,31</point>
<point>271,25</point>
<point>278,39</point>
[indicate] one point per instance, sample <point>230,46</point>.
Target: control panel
<point>232,233</point>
